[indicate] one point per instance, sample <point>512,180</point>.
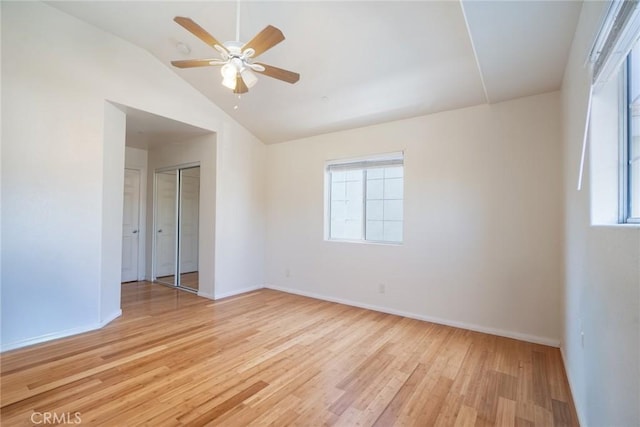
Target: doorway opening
<point>154,144</point>
<point>131,226</point>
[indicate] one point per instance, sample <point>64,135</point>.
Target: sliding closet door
<point>177,216</point>
<point>189,227</point>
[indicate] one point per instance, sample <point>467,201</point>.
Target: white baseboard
<point>113,316</point>
<point>572,389</point>
<point>220,295</point>
<point>206,295</point>
<point>470,326</point>
<point>62,334</point>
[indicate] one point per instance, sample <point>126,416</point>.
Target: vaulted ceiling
<point>361,62</point>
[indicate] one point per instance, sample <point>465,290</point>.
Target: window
<point>631,142</point>
<point>365,199</point>
<point>615,116</point>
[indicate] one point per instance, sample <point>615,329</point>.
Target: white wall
<point>112,191</point>
<point>602,271</point>
<point>200,150</point>
<point>59,173</point>
<point>483,219</point>
<point>240,219</point>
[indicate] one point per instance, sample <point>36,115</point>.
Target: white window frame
<point>627,191</point>
<point>618,34</point>
<point>364,164</point>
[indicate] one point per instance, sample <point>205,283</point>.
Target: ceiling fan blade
<point>241,87</point>
<point>189,63</point>
<point>264,40</point>
<point>198,31</point>
<point>278,73</point>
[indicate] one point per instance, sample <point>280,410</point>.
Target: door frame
<point>141,235</point>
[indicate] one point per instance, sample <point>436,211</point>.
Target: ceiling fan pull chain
<point>238,20</point>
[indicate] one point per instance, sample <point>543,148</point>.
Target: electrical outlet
<point>287,273</point>
<point>581,332</point>
<point>381,288</point>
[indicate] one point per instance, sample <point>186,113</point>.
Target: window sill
<point>618,225</point>
<point>365,242</point>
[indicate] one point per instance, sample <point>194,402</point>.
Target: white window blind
<point>368,162</point>
<point>617,36</point>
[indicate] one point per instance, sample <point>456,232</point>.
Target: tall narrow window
<point>632,143</point>
<point>365,199</point>
<point>615,56</point>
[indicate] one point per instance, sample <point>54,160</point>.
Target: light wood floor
<point>272,358</point>
<point>187,280</point>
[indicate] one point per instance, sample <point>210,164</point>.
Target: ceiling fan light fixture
<point>229,83</point>
<point>229,71</point>
<point>249,77</point>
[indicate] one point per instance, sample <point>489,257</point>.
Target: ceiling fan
<point>236,58</point>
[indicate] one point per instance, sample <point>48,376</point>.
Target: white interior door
<point>166,217</point>
<point>189,217</point>
<point>131,225</point>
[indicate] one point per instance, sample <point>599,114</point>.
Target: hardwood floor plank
<point>561,413</point>
<point>450,410</point>
<point>395,407</point>
<point>10,395</point>
<point>541,384</point>
<point>506,414</point>
<point>271,358</point>
<point>228,404</point>
<point>524,423</point>
<point>507,386</point>
<point>466,417</point>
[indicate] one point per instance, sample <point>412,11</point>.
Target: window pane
<point>375,210</point>
<point>634,164</point>
<point>634,133</point>
<point>338,191</point>
<point>354,209</point>
<point>374,189</point>
<point>354,175</point>
<point>635,188</point>
<point>337,228</point>
<point>352,230</point>
<point>353,190</point>
<point>375,173</point>
<point>338,210</point>
<point>346,205</point>
<point>393,210</point>
<point>375,231</point>
<point>393,188</point>
<point>393,231</point>
<point>384,204</point>
<point>394,172</point>
<point>337,176</point>
<point>634,177</point>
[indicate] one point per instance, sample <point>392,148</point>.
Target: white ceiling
<point>361,62</point>
<point>146,130</point>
